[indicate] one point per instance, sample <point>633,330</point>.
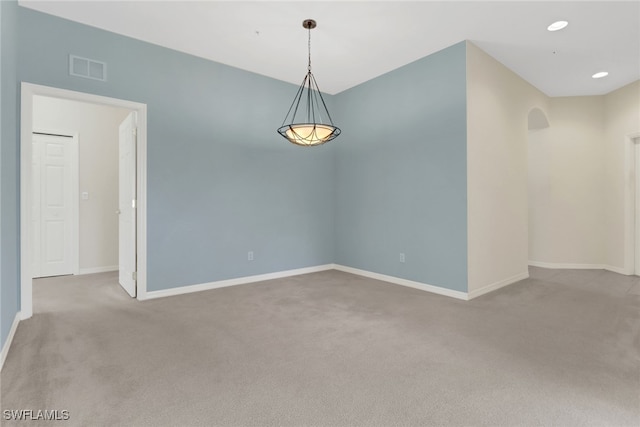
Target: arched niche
<point>537,119</point>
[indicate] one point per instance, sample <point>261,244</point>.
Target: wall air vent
<point>87,68</point>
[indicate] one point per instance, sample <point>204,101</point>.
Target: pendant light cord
<point>309,67</point>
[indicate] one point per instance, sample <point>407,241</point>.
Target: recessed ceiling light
<point>600,75</point>
<point>558,25</point>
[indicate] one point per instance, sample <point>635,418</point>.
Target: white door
<point>52,211</point>
<point>127,204</point>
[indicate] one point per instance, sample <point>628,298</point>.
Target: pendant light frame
<point>314,126</point>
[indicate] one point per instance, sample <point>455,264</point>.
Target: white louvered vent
<point>87,68</point>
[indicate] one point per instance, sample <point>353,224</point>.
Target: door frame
<point>28,91</point>
<point>632,170</point>
<point>75,199</point>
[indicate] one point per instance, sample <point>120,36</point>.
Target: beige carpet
<point>332,349</point>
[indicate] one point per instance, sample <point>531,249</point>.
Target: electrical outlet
<point>250,256</point>
<point>401,257</point>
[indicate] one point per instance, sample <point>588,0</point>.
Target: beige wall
<point>555,196</point>
<point>498,103</point>
<point>97,128</point>
<point>566,186</point>
<point>621,118</point>
<point>579,170</point>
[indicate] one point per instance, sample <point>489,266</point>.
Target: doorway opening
<point>537,183</point>
<point>135,208</point>
<point>636,156</point>
<point>632,204</point>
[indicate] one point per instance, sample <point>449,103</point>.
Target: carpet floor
<point>561,348</point>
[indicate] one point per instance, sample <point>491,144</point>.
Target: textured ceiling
<point>359,40</point>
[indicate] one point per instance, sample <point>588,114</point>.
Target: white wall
<point>97,128</point>
<point>498,103</point>
<point>621,118</point>
<point>566,186</point>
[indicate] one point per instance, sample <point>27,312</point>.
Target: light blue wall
<point>221,181</point>
<point>401,181</point>
<point>9,225</point>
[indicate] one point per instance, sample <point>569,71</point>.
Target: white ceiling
<point>358,40</point>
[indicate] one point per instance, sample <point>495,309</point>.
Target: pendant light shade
<point>308,122</point>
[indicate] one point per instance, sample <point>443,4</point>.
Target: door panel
<point>54,234</point>
<point>52,208</point>
<point>127,212</point>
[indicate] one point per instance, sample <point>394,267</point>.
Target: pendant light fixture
<point>308,122</point>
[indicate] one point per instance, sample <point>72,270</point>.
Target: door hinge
<point>135,131</point>
<point>134,275</point>
<point>133,203</point>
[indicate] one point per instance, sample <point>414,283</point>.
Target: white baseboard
<point>554,265</point>
<point>404,282</point>
<point>232,282</point>
<point>288,273</point>
<point>619,270</point>
<point>497,285</point>
<point>568,266</point>
<point>7,343</point>
<point>93,270</point>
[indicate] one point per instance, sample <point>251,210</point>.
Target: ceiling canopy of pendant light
<point>308,122</point>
